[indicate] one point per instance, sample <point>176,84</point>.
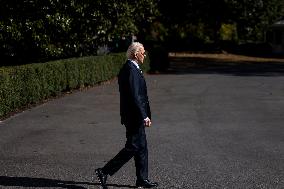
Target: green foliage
<point>32,83</point>
<point>205,19</point>
<point>228,32</point>
<point>37,31</point>
<point>253,17</point>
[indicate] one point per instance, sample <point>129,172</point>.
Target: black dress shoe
<point>102,177</point>
<point>146,184</point>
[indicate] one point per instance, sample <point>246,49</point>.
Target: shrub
<point>29,84</point>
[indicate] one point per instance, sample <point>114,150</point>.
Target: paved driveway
<point>213,127</point>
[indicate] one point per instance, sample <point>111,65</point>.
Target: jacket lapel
<point>135,68</point>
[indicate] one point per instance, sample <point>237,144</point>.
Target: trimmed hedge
<point>29,84</point>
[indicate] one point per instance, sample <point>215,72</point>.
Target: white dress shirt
<point>136,64</point>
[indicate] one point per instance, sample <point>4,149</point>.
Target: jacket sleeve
<point>136,93</point>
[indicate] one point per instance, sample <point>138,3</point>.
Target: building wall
<point>275,37</point>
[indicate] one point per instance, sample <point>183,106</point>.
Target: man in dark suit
<point>135,116</point>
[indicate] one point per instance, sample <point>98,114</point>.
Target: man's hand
<point>147,122</point>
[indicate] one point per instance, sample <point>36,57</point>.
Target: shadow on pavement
<point>28,182</point>
<point>201,65</point>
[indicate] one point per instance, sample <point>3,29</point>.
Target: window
<point>278,37</point>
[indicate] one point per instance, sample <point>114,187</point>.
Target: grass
<point>224,63</point>
<point>225,57</point>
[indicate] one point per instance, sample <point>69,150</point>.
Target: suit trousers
<point>136,146</point>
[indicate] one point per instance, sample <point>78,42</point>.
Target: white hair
<point>133,49</point>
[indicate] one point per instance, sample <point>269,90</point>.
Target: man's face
<point>141,55</point>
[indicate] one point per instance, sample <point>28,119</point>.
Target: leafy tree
<point>254,16</point>
<point>36,30</point>
<point>203,19</point>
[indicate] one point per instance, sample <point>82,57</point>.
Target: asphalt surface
<point>212,128</point>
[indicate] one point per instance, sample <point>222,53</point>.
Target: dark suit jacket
<point>134,104</point>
